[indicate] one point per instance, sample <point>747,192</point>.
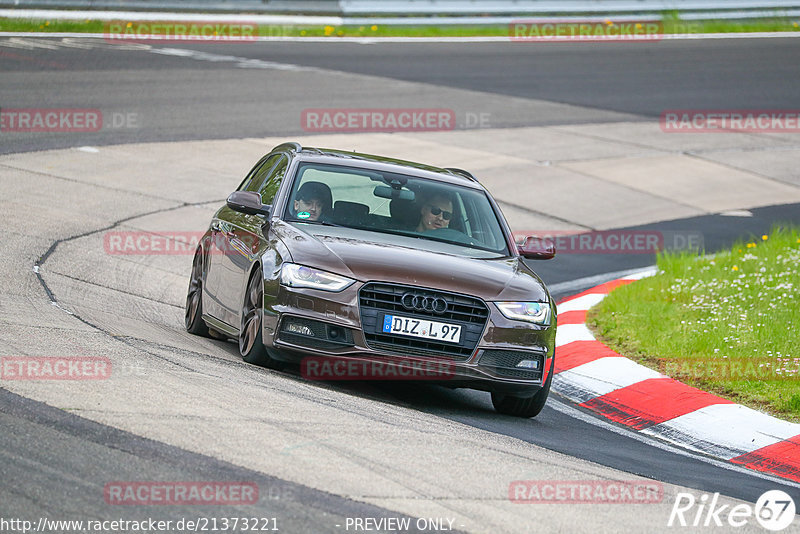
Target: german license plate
<point>407,326</point>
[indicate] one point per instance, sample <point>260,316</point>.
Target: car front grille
<point>504,363</point>
<point>379,299</point>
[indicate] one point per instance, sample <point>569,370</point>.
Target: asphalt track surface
<point>222,91</point>
<point>214,97</point>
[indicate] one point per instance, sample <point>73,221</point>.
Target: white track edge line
<point>663,445</point>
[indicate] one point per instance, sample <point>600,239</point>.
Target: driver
<point>313,201</point>
<point>435,213</point>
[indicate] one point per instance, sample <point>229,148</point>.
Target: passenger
<point>435,212</point>
<point>313,201</point>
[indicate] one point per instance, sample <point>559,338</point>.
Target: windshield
<point>391,203</point>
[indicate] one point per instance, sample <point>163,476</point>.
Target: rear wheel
<point>193,317</point>
<point>520,406</point>
<point>251,345</point>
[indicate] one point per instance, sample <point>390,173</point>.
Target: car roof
<point>380,163</point>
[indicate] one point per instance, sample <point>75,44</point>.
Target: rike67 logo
<point>774,511</point>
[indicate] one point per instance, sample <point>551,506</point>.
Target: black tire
<point>193,314</point>
<point>251,345</point>
<point>524,407</point>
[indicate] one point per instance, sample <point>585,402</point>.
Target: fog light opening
<point>298,328</point>
<point>335,333</point>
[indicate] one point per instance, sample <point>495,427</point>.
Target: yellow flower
<point>609,23</point>
<point>47,23</point>
<point>764,237</point>
<point>129,25</point>
<point>735,268</point>
<point>303,32</point>
<point>329,30</point>
<point>740,250</point>
<point>751,245</point>
<point>374,28</point>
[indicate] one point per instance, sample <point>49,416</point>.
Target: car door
<point>215,246</point>
<point>241,238</point>
<point>221,225</point>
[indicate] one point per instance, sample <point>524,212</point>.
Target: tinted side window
<point>266,178</point>
<point>264,163</point>
<point>269,182</point>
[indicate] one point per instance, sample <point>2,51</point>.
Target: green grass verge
<point>726,324</point>
<point>671,23</point>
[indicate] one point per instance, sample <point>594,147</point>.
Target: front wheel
<point>523,407</point>
<point>193,316</point>
<point>251,345</point>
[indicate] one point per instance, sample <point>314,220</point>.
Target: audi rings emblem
<point>424,303</point>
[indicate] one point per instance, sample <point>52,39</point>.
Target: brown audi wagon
<point>365,267</point>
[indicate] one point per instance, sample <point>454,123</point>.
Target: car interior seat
<point>405,213</point>
<point>350,213</point>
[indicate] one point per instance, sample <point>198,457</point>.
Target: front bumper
<point>322,331</point>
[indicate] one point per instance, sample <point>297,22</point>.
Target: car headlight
<point>294,275</point>
<point>532,312</point>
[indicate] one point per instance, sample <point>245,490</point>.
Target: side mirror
<point>537,248</point>
<point>248,202</point>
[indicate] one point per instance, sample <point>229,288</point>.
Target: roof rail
<point>461,172</point>
<point>292,146</point>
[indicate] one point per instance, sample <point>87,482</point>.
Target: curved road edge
<point>600,380</point>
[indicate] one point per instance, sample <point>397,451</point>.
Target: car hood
<point>366,256</point>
